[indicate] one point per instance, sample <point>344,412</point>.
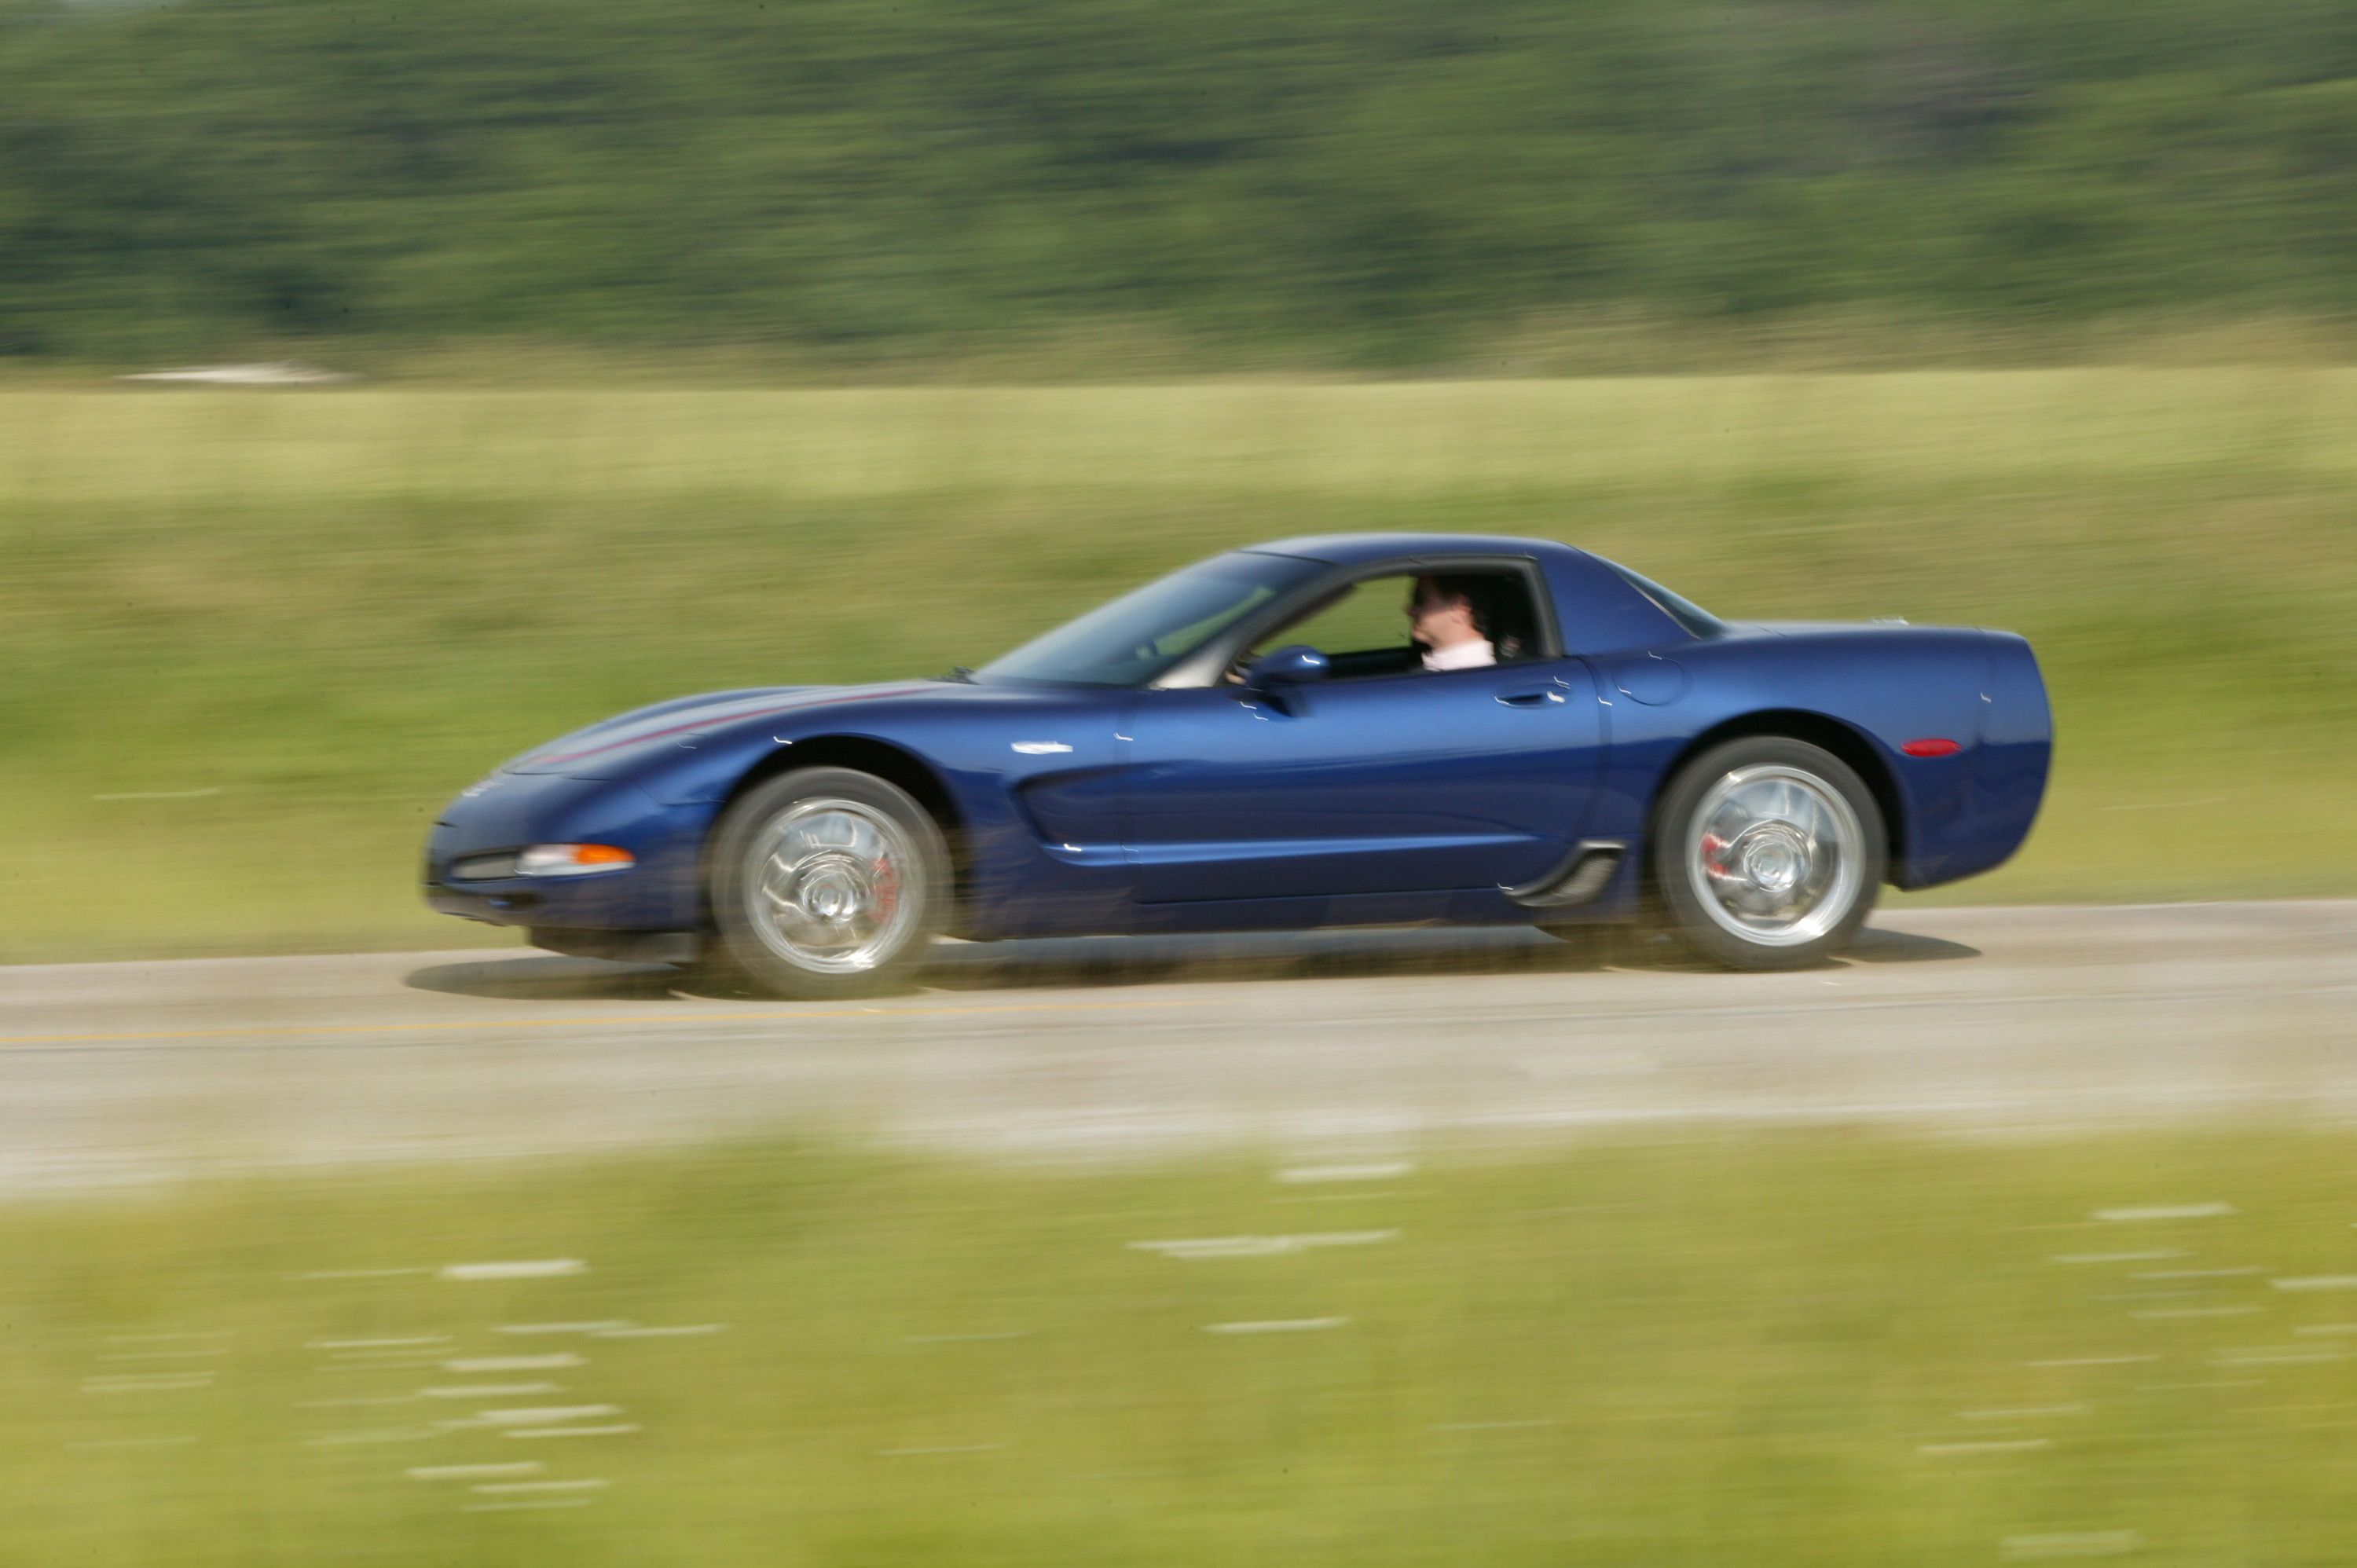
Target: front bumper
<point>661,892</point>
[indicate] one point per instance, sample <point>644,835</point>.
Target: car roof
<point>1359,549</point>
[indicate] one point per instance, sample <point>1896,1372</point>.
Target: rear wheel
<point>827,883</point>
<point>1767,854</point>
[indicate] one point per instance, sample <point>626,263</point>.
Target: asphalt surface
<point>1345,1043</point>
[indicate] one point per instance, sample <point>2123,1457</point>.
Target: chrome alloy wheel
<point>1776,855</point>
<point>834,886</point>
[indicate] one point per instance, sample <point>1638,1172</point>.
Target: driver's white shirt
<point>1473,655</point>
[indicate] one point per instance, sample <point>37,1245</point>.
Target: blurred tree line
<point>1380,182</point>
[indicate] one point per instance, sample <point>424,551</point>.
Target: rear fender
<point>1863,694</point>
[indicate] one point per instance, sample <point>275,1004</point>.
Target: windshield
<point>1141,634</point>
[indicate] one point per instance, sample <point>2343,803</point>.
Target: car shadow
<point>1163,960</point>
<point>1875,945</point>
<point>548,977</point>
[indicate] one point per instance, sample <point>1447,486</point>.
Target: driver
<point>1441,616</point>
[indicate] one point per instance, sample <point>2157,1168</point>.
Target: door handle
<point>1530,699</point>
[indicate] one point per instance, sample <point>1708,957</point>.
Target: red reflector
<point>1930,747</point>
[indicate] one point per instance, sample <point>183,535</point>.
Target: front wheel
<point>827,883</point>
<point>1767,854</point>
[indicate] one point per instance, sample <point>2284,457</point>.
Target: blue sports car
<point>1349,729</point>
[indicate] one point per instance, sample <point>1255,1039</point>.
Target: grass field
<point>1857,1350</point>
<point>255,640</point>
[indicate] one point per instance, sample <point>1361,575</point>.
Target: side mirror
<point>1296,664</point>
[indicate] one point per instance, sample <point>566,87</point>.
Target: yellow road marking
<point>424,1027</point>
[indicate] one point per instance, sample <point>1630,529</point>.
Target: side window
<point>1370,628</point>
<point>1370,616</point>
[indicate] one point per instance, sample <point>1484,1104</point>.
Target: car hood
<point>612,747</point>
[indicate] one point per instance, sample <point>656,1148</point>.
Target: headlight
<point>572,860</point>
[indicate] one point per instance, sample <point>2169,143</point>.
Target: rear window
<point>1697,621</point>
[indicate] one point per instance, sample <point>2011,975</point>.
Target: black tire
<point>891,872</point>
<point>1688,889</point>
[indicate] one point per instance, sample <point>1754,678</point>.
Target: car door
<point>1412,782</point>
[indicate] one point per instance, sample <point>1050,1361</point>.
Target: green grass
<point>1700,1352</point>
<point>336,608</point>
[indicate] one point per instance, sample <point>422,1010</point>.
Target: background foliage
<point>1244,181</point>
<point>259,638</point>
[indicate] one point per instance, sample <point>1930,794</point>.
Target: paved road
<point>1982,1019</point>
